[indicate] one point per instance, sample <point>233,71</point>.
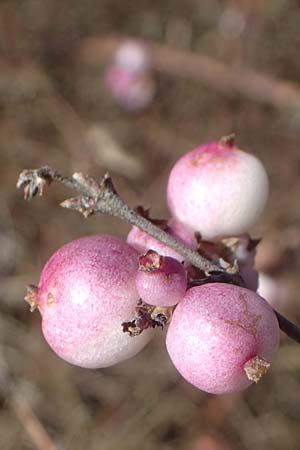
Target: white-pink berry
<point>161,280</point>
<point>133,56</point>
<point>86,290</point>
<point>218,190</point>
<point>222,337</point>
<point>133,91</point>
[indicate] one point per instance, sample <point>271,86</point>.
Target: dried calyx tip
<point>147,316</point>
<point>150,261</point>
<point>33,182</point>
<point>228,140</point>
<point>255,368</point>
<point>32,296</point>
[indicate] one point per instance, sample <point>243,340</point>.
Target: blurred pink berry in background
<point>134,56</point>
<point>129,76</point>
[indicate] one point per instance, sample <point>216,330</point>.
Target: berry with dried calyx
<point>86,291</point>
<point>222,337</point>
<point>217,189</point>
<point>161,280</point>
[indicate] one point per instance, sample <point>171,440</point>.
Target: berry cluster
<point>100,297</point>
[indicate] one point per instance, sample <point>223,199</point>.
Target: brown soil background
<point>51,100</point>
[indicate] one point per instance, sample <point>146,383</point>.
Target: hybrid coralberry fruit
<point>222,337</point>
<point>161,280</point>
<point>217,189</point>
<point>86,290</point>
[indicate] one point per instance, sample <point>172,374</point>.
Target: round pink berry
<point>161,280</point>
<point>86,290</point>
<point>222,337</point>
<point>218,190</point>
<point>133,91</point>
<point>133,56</point>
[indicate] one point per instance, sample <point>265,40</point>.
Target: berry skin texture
<point>86,290</point>
<point>220,335</point>
<point>160,281</point>
<point>218,190</point>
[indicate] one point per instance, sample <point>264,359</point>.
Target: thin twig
<point>102,198</point>
<point>33,426</point>
<point>289,328</point>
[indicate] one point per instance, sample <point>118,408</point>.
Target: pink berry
<point>143,242</point>
<point>222,337</point>
<point>133,91</point>
<point>86,290</point>
<point>134,56</point>
<point>218,190</point>
<point>161,280</point>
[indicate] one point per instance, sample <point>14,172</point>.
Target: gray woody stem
<point>102,198</point>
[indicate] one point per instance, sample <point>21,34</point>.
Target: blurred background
<point>211,68</point>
